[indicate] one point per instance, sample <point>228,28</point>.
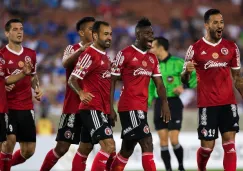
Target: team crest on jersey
<point>2,60</point>
<point>144,63</point>
<point>146,129</point>
<point>108,131</point>
<point>27,59</point>
<point>224,51</point>
<point>170,79</point>
<point>215,55</point>
<point>151,59</point>
<point>21,64</point>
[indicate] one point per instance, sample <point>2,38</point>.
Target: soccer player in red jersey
<point>3,98</point>
<point>21,117</point>
<point>93,69</point>
<point>215,60</point>
<point>69,130</point>
<point>135,65</point>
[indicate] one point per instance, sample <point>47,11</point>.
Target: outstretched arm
<point>238,80</point>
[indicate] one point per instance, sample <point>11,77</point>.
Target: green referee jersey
<point>171,68</point>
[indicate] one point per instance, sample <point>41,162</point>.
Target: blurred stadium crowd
<point>49,26</point>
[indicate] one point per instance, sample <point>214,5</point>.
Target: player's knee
<point>85,148</point>
<point>163,142</point>
<point>110,146</point>
<point>174,141</point>
<point>61,151</point>
<point>61,148</point>
<point>27,153</point>
<point>126,153</point>
<point>146,144</point>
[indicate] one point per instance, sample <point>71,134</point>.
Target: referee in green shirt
<point>171,68</point>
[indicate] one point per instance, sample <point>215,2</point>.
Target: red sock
<point>148,162</point>
<point>18,158</point>
<point>119,163</point>
<point>230,157</point>
<point>50,160</point>
<point>203,155</point>
<point>5,162</point>
<point>100,161</point>
<point>110,160</point>
<point>79,162</point>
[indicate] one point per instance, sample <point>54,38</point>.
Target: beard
<point>213,35</point>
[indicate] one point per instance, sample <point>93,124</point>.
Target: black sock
<point>178,150</point>
<point>165,155</point>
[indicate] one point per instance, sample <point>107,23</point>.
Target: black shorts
<point>225,118</point>
<point>69,129</point>
<point>134,125</point>
<point>22,124</point>
<point>95,126</point>
<point>176,109</point>
<point>3,126</point>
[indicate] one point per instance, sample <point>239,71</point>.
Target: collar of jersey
<point>16,53</point>
<point>212,44</point>
<point>142,52</point>
<point>103,53</point>
<point>166,59</point>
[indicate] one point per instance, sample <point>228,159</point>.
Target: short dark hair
<point>210,12</point>
<point>83,21</point>
<point>97,24</point>
<point>14,20</point>
<point>163,42</point>
<point>144,22</point>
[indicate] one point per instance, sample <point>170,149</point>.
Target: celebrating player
<point>136,65</point>
<point>214,59</point>
<point>21,117</point>
<point>69,130</point>
<point>93,69</point>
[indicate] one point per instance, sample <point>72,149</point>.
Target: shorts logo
<point>204,117</point>
<point>33,114</point>
<point>141,114</point>
<point>146,129</point>
<point>71,120</point>
<point>233,109</point>
<point>103,118</point>
<point>92,132</point>
<point>204,132</point>
<point>128,129</point>
<point>68,134</point>
<point>108,131</point>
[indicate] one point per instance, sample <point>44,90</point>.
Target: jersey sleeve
<point>67,52</point>
<point>156,70</point>
<point>189,56</point>
<point>235,62</point>
<point>86,64</point>
<point>118,64</point>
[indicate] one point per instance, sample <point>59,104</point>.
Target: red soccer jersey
<point>20,98</point>
<point>71,101</point>
<point>3,98</point>
<point>93,68</point>
<point>214,61</point>
<point>135,67</point>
